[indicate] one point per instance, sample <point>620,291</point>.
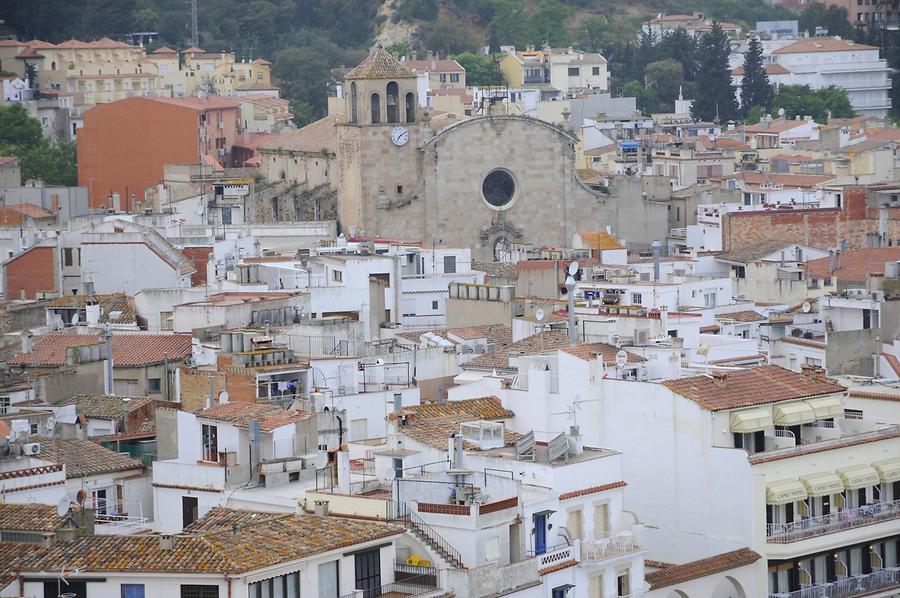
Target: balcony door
<point>188,510</point>
<point>540,533</point>
<point>368,572</point>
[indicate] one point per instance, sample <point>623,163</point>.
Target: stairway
<point>424,532</point>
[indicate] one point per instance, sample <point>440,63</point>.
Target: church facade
<point>481,182</point>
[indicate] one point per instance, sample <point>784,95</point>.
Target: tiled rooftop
<point>675,574</point>
<point>317,137</point>
<point>129,350</point>
<point>434,431</point>
<point>480,408</point>
<point>241,414</point>
<point>742,316</point>
<point>104,406</point>
<point>379,64</point>
<point>752,252</point>
<point>752,386</point>
<point>84,458</point>
<point>499,334</point>
<point>545,342</point>
<point>115,302</point>
<point>590,351</point>
<point>856,265</point>
<point>29,517</point>
<point>220,518</point>
<point>253,546</point>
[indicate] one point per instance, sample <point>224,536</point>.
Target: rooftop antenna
<point>194,38</point>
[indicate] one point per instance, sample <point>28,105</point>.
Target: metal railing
<point>783,533</point>
<point>847,587</point>
<point>118,516</point>
<point>413,586</point>
<point>400,512</point>
<point>611,546</point>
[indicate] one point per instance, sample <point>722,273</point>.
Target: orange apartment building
<point>125,145</point>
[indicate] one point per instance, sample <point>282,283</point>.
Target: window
<point>153,384</point>
<point>454,77</point>
<point>337,276</point>
<point>194,591</point>
<point>210,441</point>
<point>399,189</point>
<point>393,102</point>
<point>574,71</point>
<point>398,467</point>
<point>98,498</point>
<point>636,299</point>
<point>132,590</point>
<point>328,580</point>
<point>434,305</point>
<point>709,299</point>
<point>866,319</point>
<point>853,413</point>
<point>34,429</point>
<point>449,264</point>
<point>498,188</point>
<point>410,107</point>
<point>443,77</point>
<point>376,109</point>
<point>622,585</point>
<point>283,586</point>
<point>165,320</point>
<point>573,524</point>
<point>595,70</point>
<point>4,404</point>
<point>67,257</point>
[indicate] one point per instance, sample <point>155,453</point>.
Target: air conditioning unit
<point>32,448</point>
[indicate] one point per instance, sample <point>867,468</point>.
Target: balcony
<point>609,547</point>
<point>861,585</point>
<point>783,533</point>
<point>410,586</point>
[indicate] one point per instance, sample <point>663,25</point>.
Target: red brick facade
<point>824,228</point>
<point>29,273</point>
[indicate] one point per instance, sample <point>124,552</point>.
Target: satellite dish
<point>539,314</point>
<point>703,350</point>
<point>389,474</point>
<point>81,496</point>
<point>806,307</point>
<point>21,425</point>
<point>320,461</point>
<point>75,318</point>
<point>51,423</point>
<point>223,397</point>
<point>621,358</point>
<point>573,268</point>
<point>62,507</point>
<point>379,361</point>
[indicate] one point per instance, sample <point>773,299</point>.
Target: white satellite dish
<point>75,318</point>
<point>703,350</point>
<point>21,425</point>
<point>621,358</point>
<point>806,307</point>
<point>573,268</point>
<point>223,397</point>
<point>389,474</point>
<point>320,461</point>
<point>539,314</point>
<point>51,423</point>
<point>62,507</point>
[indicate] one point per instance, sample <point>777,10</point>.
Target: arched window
<point>353,102</point>
<point>393,103</point>
<point>376,108</point>
<point>410,107</point>
<point>53,66</point>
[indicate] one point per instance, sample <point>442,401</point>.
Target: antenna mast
<point>194,38</point>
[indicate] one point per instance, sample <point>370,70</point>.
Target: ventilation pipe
<point>655,246</point>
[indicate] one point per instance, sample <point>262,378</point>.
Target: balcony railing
<point>413,586</point>
<point>860,585</point>
<point>783,533</point>
<point>119,516</point>
<point>609,547</point>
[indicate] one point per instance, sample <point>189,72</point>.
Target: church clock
<point>399,136</point>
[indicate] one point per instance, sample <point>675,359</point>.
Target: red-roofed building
<point>855,268</point>
<point>125,145</point>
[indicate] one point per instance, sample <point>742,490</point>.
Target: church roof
<point>379,64</point>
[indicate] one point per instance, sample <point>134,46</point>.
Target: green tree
<point>20,136</point>
<point>801,100</point>
<point>449,34</point>
<point>679,45</point>
<point>664,78</point>
<point>716,100</point>
<point>835,19</point>
<point>756,90</point>
<point>646,99</point>
<point>480,70</point>
<point>17,128</point>
<point>548,24</point>
<point>754,115</point>
<point>593,32</point>
<point>145,19</point>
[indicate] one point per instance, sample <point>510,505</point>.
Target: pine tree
<point>756,90</point>
<point>715,99</point>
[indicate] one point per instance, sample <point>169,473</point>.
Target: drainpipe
<point>570,295</point>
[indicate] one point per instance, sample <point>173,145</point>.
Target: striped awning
<point>751,420</point>
<point>826,407</point>
<point>784,491</point>
<point>822,483</point>
<point>859,476</point>
<point>794,413</point>
<point>888,470</point>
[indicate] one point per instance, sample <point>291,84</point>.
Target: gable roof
<point>542,342</point>
<point>104,406</point>
<point>113,302</point>
<point>822,44</point>
<point>674,574</point>
<point>856,265</point>
<point>446,64</point>
<point>313,138</point>
<point>752,252</point>
<point>777,125</point>
<point>489,408</point>
<point>379,64</point>
<point>30,517</point>
<point>434,431</point>
<point>83,457</point>
<point>241,414</point>
<point>129,350</point>
<point>165,50</point>
<point>757,385</point>
<point>252,546</point>
<point>590,351</point>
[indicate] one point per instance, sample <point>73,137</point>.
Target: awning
<point>751,420</point>
<point>794,414</point>
<point>784,491</point>
<point>888,470</point>
<point>821,484</point>
<point>826,407</point>
<point>859,476</point>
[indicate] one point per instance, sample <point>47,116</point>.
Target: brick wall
<point>823,229</point>
<point>29,273</point>
<point>195,387</point>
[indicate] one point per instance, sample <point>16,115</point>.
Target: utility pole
<point>194,38</point>
<point>106,335</point>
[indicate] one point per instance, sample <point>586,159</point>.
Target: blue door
<point>540,533</point>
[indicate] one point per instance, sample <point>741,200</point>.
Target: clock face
<point>399,135</point>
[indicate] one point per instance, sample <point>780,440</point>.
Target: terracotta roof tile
<point>313,138</point>
<point>115,302</point>
<point>481,408</point>
<point>592,490</point>
<point>220,518</point>
<point>497,269</point>
<point>379,64</point>
<point>129,350</point>
<point>434,431</point>
<point>798,181</point>
<point>499,334</point>
<point>676,574</point>
<point>104,406</point>
<point>752,252</point>
<point>877,396</point>
<point>257,545</point>
<point>439,64</point>
<point>822,44</point>
<point>590,351</point>
<point>240,415</point>
<point>856,265</point>
<point>742,316</point>
<point>557,567</point>
<point>84,458</point>
<point>757,385</point>
<point>600,240</point>
<point>30,517</point>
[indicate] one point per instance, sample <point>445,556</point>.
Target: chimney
<point>321,508</point>
<point>27,342</point>
<point>719,378</point>
<point>398,403</point>
<point>166,542</point>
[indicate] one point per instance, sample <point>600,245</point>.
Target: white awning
<point>823,483</point>
<point>888,470</point>
<point>859,476</point>
<point>826,407</point>
<point>794,413</point>
<point>784,491</point>
<point>751,420</point>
